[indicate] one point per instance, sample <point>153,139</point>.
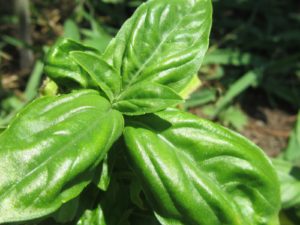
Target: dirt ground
<point>272,133</point>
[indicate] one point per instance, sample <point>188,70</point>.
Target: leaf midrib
<point>136,74</point>
<point>73,140</point>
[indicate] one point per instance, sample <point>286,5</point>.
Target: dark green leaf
<point>113,209</point>
<point>146,97</point>
<point>48,153</point>
<point>164,42</point>
<point>67,212</point>
<point>197,172</point>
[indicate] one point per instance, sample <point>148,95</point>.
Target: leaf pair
<point>94,72</point>
<point>153,57</point>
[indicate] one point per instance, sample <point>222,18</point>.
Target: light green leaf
<point>230,57</point>
<point>34,81</point>
<point>251,78</point>
<point>103,74</point>
<point>234,117</point>
<point>289,177</point>
<point>196,172</point>
<point>92,217</point>
<point>61,68</point>
<point>146,97</point>
<point>164,41</point>
<point>48,153</point>
<point>201,97</point>
<point>192,86</point>
<point>96,37</point>
<point>292,153</point>
<point>71,30</point>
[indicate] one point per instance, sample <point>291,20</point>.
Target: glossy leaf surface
<point>48,153</point>
<point>146,97</point>
<point>164,42</point>
<point>61,68</point>
<point>103,74</point>
<point>199,173</point>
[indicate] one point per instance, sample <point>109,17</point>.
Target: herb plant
<point>120,105</point>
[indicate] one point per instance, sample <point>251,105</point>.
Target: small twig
<point>22,8</point>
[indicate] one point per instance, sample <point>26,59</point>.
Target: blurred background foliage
<point>250,79</point>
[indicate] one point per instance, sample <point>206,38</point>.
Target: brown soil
<point>272,133</point>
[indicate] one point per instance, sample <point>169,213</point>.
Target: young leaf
<point>146,97</point>
<point>61,68</point>
<point>164,42</point>
<point>103,74</point>
<point>197,172</point>
<point>48,153</point>
<point>92,217</point>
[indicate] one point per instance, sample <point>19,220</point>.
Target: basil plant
<point>114,126</point>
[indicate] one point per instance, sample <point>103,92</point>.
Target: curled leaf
<point>196,172</point>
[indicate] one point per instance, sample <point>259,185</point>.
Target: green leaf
<point>114,207</point>
<point>251,78</point>
<point>34,81</point>
<point>231,57</point>
<point>234,117</point>
<point>67,212</point>
<point>92,217</point>
<point>164,41</point>
<point>135,193</point>
<point>103,174</point>
<point>61,68</point>
<point>49,152</point>
<point>146,97</point>
<point>190,87</point>
<point>103,74</point>
<point>289,177</point>
<point>201,97</point>
<point>96,37</point>
<point>292,153</point>
<point>196,172</point>
<point>71,30</point>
